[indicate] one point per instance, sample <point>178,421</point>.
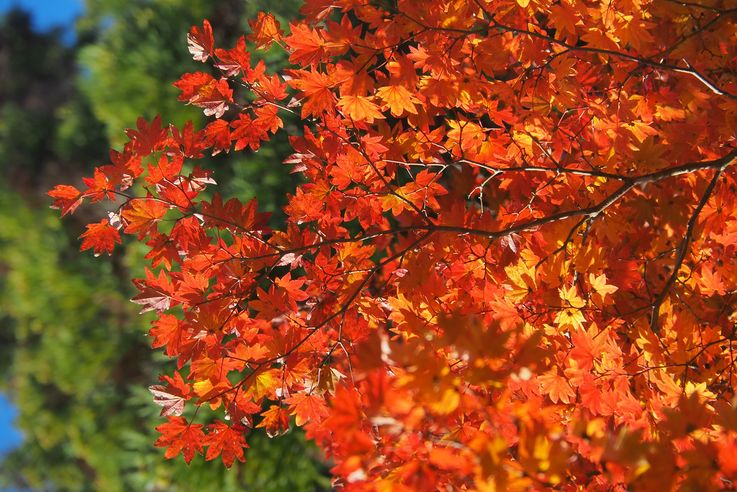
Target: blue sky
<point>9,437</point>
<point>47,13</point>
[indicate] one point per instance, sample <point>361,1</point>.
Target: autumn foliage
<point>511,264</point>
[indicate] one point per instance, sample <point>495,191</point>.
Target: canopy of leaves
<point>510,263</point>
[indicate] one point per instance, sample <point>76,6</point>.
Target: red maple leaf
<point>226,442</point>
<point>101,237</point>
<point>180,436</point>
<point>200,42</point>
<point>66,198</point>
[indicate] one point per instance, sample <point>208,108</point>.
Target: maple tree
<point>510,265</point>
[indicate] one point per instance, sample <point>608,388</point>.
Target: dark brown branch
<point>682,251</point>
<point>625,56</point>
<point>314,329</point>
<point>494,24</point>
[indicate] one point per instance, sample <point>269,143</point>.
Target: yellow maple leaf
<point>398,98</point>
<point>522,277</point>
<point>263,384</point>
<point>598,283</point>
<point>359,108</point>
<point>569,296</point>
<point>570,315</point>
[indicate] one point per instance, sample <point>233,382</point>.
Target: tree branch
<point>682,251</point>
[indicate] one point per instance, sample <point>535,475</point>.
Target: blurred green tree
<point>46,128</point>
<point>73,352</point>
<point>141,50</point>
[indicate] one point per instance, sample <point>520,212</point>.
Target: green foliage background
<point>74,356</point>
